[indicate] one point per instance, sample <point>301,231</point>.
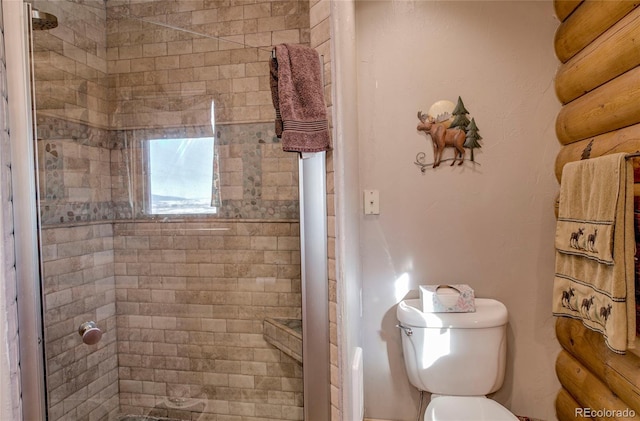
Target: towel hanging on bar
<point>594,271</point>
<point>298,97</point>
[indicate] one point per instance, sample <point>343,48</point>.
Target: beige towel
<point>595,248</point>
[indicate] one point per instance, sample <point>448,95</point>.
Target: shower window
<point>180,176</point>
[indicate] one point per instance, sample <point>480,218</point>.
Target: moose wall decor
<point>449,129</point>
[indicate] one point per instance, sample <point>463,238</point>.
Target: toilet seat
<point>466,408</point>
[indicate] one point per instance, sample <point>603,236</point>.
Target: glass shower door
<point>153,307</point>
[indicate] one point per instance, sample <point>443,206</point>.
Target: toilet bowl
<point>458,357</point>
<point>466,408</point>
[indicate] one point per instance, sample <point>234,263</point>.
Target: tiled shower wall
<point>192,297</point>
<point>164,75</point>
<point>192,294</point>
<point>259,254</point>
<point>203,290</point>
<point>75,175</point>
<point>71,63</point>
<point>74,156</point>
<point>79,286</point>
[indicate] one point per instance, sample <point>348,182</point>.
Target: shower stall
<point>169,270</point>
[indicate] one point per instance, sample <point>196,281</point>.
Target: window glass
<point>180,176</point>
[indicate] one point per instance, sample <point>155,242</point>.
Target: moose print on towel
<point>588,243</point>
<point>567,295</point>
<point>605,312</point>
<point>589,239</point>
<point>575,238</point>
<point>593,307</point>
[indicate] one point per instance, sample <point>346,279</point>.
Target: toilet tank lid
<point>489,313</point>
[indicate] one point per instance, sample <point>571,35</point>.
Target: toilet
<point>457,357</point>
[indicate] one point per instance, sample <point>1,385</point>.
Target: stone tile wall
<point>192,297</point>
<point>79,286</point>
<point>79,256</point>
<point>168,59</point>
<point>70,62</point>
<point>74,154</point>
<point>286,335</point>
<point>74,165</point>
<point>9,284</point>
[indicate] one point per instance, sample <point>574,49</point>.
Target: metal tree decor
<point>449,130</point>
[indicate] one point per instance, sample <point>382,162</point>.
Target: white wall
<point>490,225</point>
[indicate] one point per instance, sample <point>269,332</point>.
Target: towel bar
<point>632,155</point>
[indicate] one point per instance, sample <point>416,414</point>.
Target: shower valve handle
<point>90,332</point>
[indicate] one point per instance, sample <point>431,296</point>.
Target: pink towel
<point>298,97</point>
<point>273,81</point>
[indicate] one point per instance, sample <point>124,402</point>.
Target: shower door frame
<point>17,26</point>
<point>315,291</point>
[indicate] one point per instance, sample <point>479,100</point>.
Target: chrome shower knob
<point>90,332</point>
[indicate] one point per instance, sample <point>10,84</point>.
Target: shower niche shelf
<point>286,335</point>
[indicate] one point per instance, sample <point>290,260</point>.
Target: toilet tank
<point>458,354</point>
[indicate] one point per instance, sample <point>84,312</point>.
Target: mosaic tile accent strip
<point>87,174</point>
<point>55,128</point>
<point>75,212</point>
<point>75,174</point>
<point>53,167</point>
<point>269,175</point>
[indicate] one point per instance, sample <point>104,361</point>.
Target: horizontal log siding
<point>586,23</point>
<point>623,140</point>
<point>588,389</point>
<point>620,373</point>
<point>610,55</point>
<point>564,8</point>
<point>610,107</point>
<point>566,406</point>
<point>599,83</point>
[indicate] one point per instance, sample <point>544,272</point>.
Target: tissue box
<point>447,298</point>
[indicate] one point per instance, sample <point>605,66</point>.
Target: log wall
<point>594,377</point>
<point>598,83</point>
